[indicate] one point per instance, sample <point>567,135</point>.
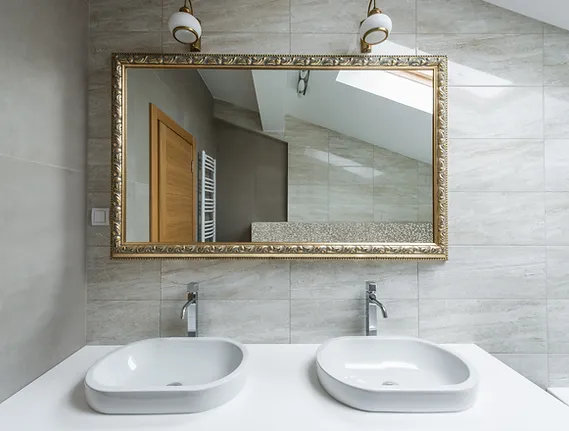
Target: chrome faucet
<point>190,310</point>
<point>372,304</point>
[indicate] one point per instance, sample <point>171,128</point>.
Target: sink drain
<point>174,384</point>
<point>389,383</point>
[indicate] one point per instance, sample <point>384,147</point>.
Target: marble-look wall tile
<point>122,322</point>
<point>221,43</point>
<point>558,326</point>
<point>125,15</point>
<point>488,59</point>
<point>494,112</point>
<point>517,165</point>
<point>558,272</point>
<point>307,171</point>
<point>330,16</point>
<point>532,367</point>
<point>557,218</point>
<point>498,326</point>
<point>346,280</point>
<point>226,279</point>
<point>556,106</point>
<point>99,111</point>
<point>556,59</point>
<point>471,17</point>
<point>103,44</point>
<point>238,16</point>
<point>351,203</point>
<point>332,43</point>
<point>558,370</point>
<point>314,321</point>
<point>477,218</point>
<point>110,279</point>
<point>99,152</point>
<point>99,178</point>
<point>556,165</point>
<point>486,273</point>
<point>255,321</point>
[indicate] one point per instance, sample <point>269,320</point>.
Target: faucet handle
<point>193,287</point>
<point>371,286</point>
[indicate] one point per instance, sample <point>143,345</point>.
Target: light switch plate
<point>100,216</point>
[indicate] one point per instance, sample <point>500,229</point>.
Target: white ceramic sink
<point>395,374</point>
<point>167,375</point>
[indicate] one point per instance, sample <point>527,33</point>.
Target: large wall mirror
<point>279,156</point>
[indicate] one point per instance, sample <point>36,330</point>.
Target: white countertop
<point>283,394</point>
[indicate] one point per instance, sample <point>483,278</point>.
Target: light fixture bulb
<point>375,28</point>
<point>185,27</point>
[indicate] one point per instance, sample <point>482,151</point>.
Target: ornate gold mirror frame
<point>437,250</point>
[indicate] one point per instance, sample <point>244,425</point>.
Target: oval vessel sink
<point>395,374</point>
<point>167,375</point>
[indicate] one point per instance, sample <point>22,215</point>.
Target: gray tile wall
<point>43,130</point>
<point>506,285</point>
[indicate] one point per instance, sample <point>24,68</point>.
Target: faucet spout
<point>190,310</point>
<point>372,305</point>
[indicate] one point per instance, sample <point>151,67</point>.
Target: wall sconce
<point>186,28</point>
<point>375,28</point>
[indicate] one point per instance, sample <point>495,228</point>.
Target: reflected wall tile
<point>517,165</point>
<point>471,17</point>
<point>558,326</point>
<point>558,370</point>
<point>392,168</point>
<point>395,202</point>
<point>486,273</point>
<point>329,16</point>
<point>346,151</point>
<point>99,125</point>
<point>125,15</point>
<point>307,203</point>
<point>424,174</point>
<point>557,218</point>
<point>551,29</point>
<point>246,321</point>
<point>230,43</point>
<point>556,105</point>
<point>226,279</point>
<point>307,171</point>
<point>496,112</point>
<point>532,367</point>
<point>346,279</point>
<point>170,323</point>
<point>556,165</point>
<point>488,59</point>
<point>351,203</point>
<point>558,272</point>
<point>109,279</point>
<point>239,16</point>
<point>102,45</point>
<point>496,218</point>
<point>556,59</point>
<point>122,322</point>
<point>497,326</point>
<point>350,175</point>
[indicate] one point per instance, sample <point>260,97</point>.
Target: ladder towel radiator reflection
<point>207,198</point>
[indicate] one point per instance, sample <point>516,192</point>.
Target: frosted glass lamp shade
<point>375,29</point>
<point>185,27</point>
